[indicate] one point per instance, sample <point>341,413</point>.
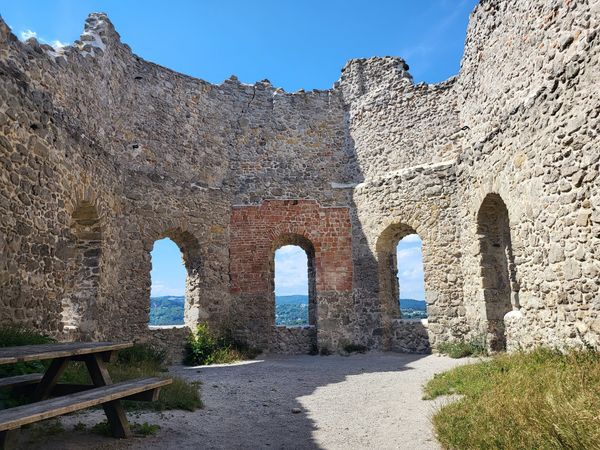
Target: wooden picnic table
<point>71,397</point>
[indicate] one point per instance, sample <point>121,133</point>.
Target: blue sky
<point>295,44</point>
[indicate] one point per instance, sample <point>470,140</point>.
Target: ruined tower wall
<point>50,169</point>
<point>405,138</point>
<point>103,153</point>
<point>182,152</point>
<point>528,89</point>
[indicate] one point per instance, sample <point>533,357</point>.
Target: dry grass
<point>539,400</point>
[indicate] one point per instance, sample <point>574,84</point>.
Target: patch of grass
<point>204,348</point>
<point>461,349</point>
<point>141,361</point>
<point>139,429</point>
<point>13,335</point>
<point>138,361</point>
<point>539,400</point>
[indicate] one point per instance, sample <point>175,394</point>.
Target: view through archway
<point>292,304</point>
<point>168,277</point>
<point>411,278</point>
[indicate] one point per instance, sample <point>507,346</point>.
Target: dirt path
<point>292,402</point>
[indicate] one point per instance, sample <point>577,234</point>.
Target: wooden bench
<point>141,389</point>
<point>71,397</point>
<point>20,380</point>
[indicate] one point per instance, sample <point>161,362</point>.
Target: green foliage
<point>542,400</point>
<point>79,426</point>
<point>102,428</point>
<point>461,349</point>
<point>355,348</point>
<point>167,310</point>
<point>201,347</point>
<point>138,361</point>
<point>14,335</point>
<point>140,353</point>
<point>139,429</point>
<point>204,348</point>
<point>291,315</point>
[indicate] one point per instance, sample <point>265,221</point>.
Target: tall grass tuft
<point>204,347</point>
<point>460,349</point>
<point>539,400</point>
<point>136,362</point>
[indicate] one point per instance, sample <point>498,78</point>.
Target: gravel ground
<point>370,401</point>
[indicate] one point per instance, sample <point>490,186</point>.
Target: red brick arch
<point>254,229</point>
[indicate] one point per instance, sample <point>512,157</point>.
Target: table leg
<point>50,378</point>
<point>114,410</point>
<point>8,439</point>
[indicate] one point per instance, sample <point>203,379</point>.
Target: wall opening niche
<point>294,287</point>
<point>401,273</point>
<point>499,289</point>
<point>175,280</point>
<point>411,278</point>
<point>80,300</point>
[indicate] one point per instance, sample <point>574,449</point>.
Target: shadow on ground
<point>291,402</point>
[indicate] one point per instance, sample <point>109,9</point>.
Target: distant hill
<point>167,310</point>
<point>290,310</point>
<point>409,303</point>
<point>167,301</point>
<point>291,299</point>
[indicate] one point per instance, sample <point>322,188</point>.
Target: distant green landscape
<point>290,310</point>
<point>166,310</point>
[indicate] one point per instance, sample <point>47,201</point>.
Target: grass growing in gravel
<point>136,362</point>
<point>539,400</point>
<point>203,347</point>
<point>142,361</point>
<point>462,349</point>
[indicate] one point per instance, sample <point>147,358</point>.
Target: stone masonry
<point>103,153</point>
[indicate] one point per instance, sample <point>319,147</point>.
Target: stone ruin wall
<point>103,153</point>
<point>533,139</point>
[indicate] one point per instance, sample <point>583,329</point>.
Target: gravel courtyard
<point>292,402</point>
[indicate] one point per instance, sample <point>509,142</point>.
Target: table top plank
<point>24,353</point>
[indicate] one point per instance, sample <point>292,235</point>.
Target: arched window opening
<point>498,271</point>
<point>294,283</point>
<point>79,303</point>
<point>168,278</point>
<point>411,282</point>
<point>401,275</point>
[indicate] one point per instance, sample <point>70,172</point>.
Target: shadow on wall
<point>500,290</point>
<point>83,253</point>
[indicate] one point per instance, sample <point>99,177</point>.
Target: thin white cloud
<point>160,289</point>
<point>57,44</point>
<point>410,268</point>
<point>411,238</point>
<point>28,34</point>
<point>291,273</point>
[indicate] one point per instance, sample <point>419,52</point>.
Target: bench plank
<point>20,380</point>
<point>23,353</point>
<point>22,415</point>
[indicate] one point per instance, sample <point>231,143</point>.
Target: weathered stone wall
<point>529,96</point>
<point>103,153</point>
